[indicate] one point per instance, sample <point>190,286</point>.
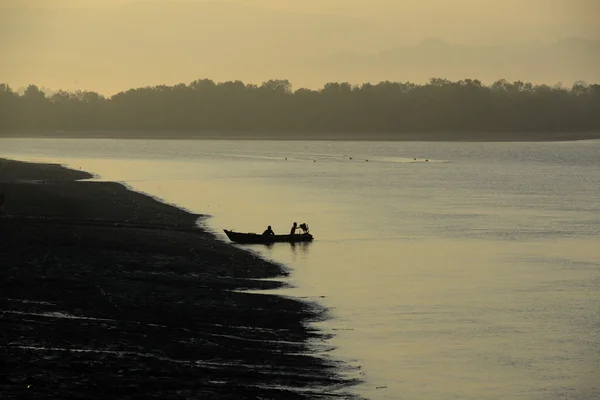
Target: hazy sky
<point>580,17</point>
<point>103,44</point>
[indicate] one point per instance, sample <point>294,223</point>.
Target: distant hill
<point>155,42</point>
<point>565,61</point>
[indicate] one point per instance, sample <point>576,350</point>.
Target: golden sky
<point>111,44</point>
<point>579,14</point>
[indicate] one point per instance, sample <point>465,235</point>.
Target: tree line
<point>204,105</point>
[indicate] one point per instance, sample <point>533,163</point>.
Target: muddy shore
<point>108,293</point>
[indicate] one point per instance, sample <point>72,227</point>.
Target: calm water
<point>475,275</point>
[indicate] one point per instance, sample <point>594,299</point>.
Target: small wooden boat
<point>255,238</point>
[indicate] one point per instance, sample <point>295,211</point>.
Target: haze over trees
<point>204,105</point>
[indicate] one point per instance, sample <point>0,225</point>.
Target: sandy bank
<point>108,293</point>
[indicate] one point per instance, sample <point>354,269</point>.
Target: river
<point>450,270</point>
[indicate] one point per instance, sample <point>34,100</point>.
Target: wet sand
<point>108,293</point>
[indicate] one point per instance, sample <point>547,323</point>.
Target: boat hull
<point>255,238</point>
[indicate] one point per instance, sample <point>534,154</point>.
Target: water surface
<point>473,275</point>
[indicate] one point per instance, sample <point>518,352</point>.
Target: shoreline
<point>315,136</point>
<point>111,293</point>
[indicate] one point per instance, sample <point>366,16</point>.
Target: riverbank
<point>321,136</point>
<point>108,293</point>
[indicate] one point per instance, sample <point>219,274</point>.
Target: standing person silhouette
<point>293,230</point>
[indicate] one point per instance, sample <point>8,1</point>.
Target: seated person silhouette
<point>293,230</point>
<point>268,231</point>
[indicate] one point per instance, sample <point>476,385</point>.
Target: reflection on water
<point>295,247</point>
<point>477,277</point>
<point>299,247</point>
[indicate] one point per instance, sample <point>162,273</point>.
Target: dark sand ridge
<point>108,293</point>
<point>466,136</point>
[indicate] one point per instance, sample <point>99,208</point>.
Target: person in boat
<point>304,228</point>
<point>293,230</point>
<point>268,231</point>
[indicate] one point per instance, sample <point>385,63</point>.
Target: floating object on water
<point>255,238</point>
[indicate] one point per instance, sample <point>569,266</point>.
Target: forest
<point>439,105</point>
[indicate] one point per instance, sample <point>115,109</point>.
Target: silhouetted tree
<point>8,107</point>
<point>204,105</point>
